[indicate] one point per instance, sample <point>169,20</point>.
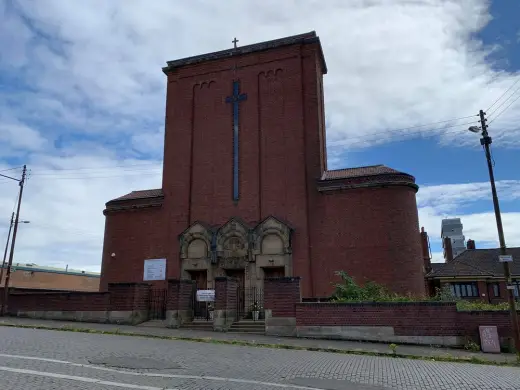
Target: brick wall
<point>281,295</point>
<point>133,236</point>
<point>226,293</point>
<point>435,319</point>
<point>407,319</point>
<point>129,296</point>
<point>180,294</point>
<point>63,301</point>
<point>387,251</point>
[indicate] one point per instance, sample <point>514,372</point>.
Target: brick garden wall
<point>63,301</point>
<point>413,321</point>
<point>281,294</point>
<point>120,297</point>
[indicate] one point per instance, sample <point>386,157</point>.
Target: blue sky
<point>82,102</point>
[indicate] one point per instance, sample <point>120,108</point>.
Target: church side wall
<point>134,236</point>
<point>370,231</point>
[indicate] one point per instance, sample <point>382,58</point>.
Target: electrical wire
<point>10,169</point>
<point>427,134</point>
<point>59,173</point>
<point>501,112</point>
<point>98,168</point>
<point>503,102</point>
<point>501,96</point>
<point>413,127</point>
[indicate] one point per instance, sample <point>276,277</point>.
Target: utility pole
<point>486,142</point>
<point>13,242</point>
<point>6,248</point>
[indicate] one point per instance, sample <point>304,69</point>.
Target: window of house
<point>516,284</point>
<point>496,289</point>
<point>464,290</point>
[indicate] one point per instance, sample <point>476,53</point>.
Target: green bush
<point>349,291</point>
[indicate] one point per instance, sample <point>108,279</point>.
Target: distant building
<point>476,274</point>
<point>451,229</point>
<point>32,276</point>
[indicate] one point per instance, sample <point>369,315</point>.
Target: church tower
<point>246,191</point>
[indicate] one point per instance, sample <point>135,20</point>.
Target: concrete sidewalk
<point>333,345</point>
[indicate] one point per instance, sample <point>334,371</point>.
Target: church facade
<point>246,191</point>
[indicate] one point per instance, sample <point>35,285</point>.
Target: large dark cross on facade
<point>235,99</point>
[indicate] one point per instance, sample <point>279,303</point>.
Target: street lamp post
<point>486,142</point>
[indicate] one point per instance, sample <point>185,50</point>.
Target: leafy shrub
<point>349,291</point>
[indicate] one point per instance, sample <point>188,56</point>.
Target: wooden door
<point>200,278</point>
<point>274,272</point>
<point>239,275</point>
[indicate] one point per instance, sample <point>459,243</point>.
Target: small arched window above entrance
<point>197,249</point>
<point>272,245</point>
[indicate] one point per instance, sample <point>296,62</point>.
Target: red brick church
<point>246,191</point>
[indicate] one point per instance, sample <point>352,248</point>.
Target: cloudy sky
<point>82,102</point>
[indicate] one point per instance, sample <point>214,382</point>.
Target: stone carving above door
<point>195,242</point>
<point>236,243</point>
<point>272,237</point>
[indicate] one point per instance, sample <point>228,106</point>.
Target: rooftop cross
<point>235,40</point>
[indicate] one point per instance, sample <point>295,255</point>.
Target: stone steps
<point>198,325</point>
<point>248,326</point>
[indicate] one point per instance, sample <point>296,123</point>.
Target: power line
<point>99,168</point>
<point>501,96</point>
<point>134,174</point>
<point>10,169</point>
<point>503,102</point>
<point>413,127</point>
<point>501,112</point>
<point>58,173</point>
<point>406,136</point>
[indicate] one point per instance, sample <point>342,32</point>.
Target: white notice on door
<point>154,269</point>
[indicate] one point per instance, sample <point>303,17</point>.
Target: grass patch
<point>390,354</point>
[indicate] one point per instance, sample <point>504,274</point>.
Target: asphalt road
<point>43,360</point>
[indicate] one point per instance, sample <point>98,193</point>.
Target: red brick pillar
<point>128,302</point>
<point>226,290</point>
<point>280,298</point>
<point>179,304</point>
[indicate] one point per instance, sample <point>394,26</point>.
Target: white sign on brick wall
<point>154,269</point>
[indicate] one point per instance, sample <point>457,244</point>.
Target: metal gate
<point>250,303</point>
<point>201,310</point>
<point>157,304</point>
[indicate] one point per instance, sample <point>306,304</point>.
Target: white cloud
<point>424,66</point>
<point>455,201</point>
<point>89,74</point>
<point>20,137</point>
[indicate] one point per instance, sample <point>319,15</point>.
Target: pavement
<point>335,345</point>
<point>37,359</point>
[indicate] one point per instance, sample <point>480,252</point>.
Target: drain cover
<point>135,363</point>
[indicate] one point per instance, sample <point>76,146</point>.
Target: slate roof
<point>143,194</point>
<point>305,38</point>
<point>371,170</point>
<point>478,263</point>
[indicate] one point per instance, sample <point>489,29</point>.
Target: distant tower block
<point>452,228</point>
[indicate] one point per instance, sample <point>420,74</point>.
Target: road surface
<point>42,360</point>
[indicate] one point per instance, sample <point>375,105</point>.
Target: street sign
<point>505,258</point>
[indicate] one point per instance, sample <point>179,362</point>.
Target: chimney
<point>425,246</point>
<point>471,244</point>
<point>448,251</point>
